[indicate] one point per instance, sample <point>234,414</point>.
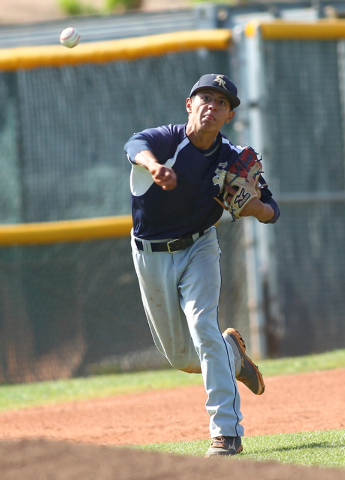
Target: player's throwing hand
<point>164,177</point>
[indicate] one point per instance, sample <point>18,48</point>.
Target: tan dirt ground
<point>62,441</point>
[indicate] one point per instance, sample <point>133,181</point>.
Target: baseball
<point>69,37</point>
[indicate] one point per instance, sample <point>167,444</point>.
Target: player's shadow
<point>305,446</point>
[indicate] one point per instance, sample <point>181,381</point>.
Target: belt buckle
<point>178,242</point>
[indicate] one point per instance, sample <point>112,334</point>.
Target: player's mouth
<point>207,116</point>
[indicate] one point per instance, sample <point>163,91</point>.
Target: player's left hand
<point>233,190</point>
<point>255,208</point>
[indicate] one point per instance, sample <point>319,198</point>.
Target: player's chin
<point>214,123</point>
<point>209,126</point>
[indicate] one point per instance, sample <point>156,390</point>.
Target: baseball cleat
<point>249,373</point>
<point>224,446</point>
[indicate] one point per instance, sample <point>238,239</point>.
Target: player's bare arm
<point>255,208</point>
<point>164,177</point>
<point>261,211</point>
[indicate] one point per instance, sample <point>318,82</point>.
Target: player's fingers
<point>230,190</point>
<point>169,185</point>
<point>167,180</point>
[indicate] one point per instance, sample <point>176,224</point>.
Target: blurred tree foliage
<point>78,7</point>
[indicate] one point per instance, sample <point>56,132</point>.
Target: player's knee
<point>185,366</point>
<point>192,369</point>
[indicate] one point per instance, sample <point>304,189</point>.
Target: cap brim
<point>234,101</point>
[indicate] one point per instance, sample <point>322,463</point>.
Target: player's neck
<point>202,140</point>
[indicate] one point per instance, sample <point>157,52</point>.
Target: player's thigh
<point>201,283</point>
<point>158,280</point>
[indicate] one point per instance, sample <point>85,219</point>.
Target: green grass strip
<point>59,391</point>
<point>307,363</point>
<point>40,393</point>
<point>322,448</point>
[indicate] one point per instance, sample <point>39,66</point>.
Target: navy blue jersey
<point>190,207</point>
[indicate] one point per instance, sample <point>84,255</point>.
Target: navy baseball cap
<point>218,82</point>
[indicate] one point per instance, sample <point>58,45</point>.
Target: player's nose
<point>212,104</point>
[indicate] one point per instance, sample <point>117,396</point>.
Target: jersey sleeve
<point>137,143</point>
<point>266,197</point>
<point>159,141</point>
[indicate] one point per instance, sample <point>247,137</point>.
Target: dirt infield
<point>44,460</point>
<point>75,440</point>
<point>292,403</point>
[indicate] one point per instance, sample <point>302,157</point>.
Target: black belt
<point>171,246</point>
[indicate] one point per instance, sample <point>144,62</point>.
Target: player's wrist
<point>266,213</point>
<point>146,159</point>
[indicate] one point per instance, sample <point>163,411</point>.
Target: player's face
<point>209,110</point>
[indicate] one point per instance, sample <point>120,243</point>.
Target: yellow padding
<point>65,231</point>
<point>124,49</point>
<point>288,30</point>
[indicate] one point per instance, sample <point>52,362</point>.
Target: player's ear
<point>189,105</point>
<point>230,116</point>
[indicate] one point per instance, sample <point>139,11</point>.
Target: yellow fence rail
<point>131,49</point>
<point>288,30</point>
<point>65,231</point>
<point>113,50</point>
<point>54,56</point>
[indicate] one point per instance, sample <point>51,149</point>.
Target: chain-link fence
<point>297,98</point>
<point>75,308</point>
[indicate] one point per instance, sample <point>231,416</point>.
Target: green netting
<point>304,145</point>
<point>65,128</point>
<point>66,306</point>
<point>303,113</point>
<point>75,309</point>
<point>10,178</point>
<point>311,277</point>
<point>72,309</point>
<point>69,309</point>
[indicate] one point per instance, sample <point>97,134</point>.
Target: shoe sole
<point>236,336</point>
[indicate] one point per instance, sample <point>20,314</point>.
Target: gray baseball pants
<point>180,294</point>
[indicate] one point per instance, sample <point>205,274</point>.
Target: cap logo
<point>221,81</point>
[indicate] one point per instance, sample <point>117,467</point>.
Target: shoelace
<point>242,341</point>
<point>218,441</point>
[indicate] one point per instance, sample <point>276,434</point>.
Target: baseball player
<point>178,172</point>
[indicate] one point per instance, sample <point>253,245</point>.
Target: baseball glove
<point>243,175</point>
